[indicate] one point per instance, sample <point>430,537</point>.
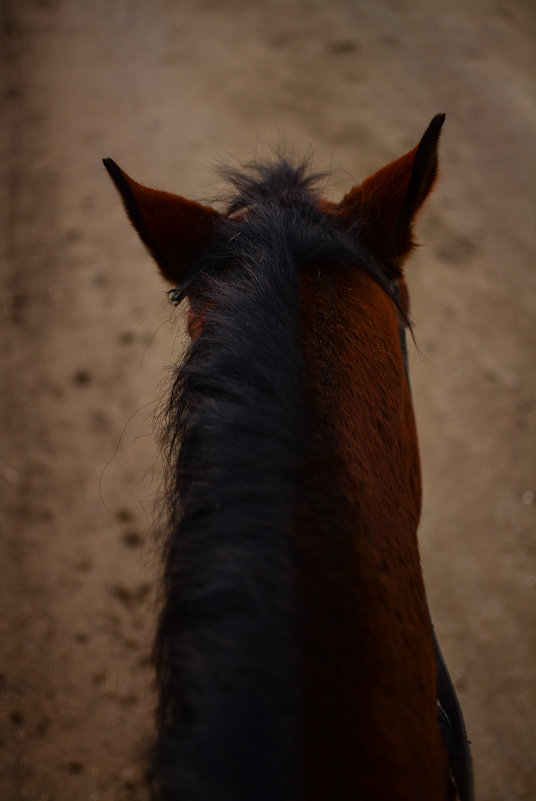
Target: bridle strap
<point>449,712</point>
<point>401,329</point>
<point>453,729</point>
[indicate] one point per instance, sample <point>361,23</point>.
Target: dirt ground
<point>167,89</point>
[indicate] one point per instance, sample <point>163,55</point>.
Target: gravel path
<point>167,89</point>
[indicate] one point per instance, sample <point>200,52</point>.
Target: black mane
<point>226,644</point>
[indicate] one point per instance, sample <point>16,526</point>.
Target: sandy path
<point>166,89</point>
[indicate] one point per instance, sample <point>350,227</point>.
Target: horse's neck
<point>366,650</point>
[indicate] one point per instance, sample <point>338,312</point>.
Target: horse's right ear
<point>384,206</point>
<point>173,228</point>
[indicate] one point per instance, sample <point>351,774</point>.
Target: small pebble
<point>75,767</point>
<point>82,377</point>
<point>132,539</point>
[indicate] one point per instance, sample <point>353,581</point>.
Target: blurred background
<point>168,89</point>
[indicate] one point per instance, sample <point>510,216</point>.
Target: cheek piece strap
<point>449,712</point>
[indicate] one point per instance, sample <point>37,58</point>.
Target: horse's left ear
<point>384,206</point>
<point>173,228</point>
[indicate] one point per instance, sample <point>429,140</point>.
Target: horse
<point>295,654</point>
